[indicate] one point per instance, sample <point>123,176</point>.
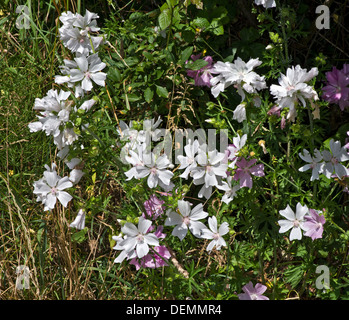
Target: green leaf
<point>148,55</point>
<point>79,236</point>
<point>148,95</point>
<point>201,23</point>
<point>186,53</point>
<point>161,91</point>
<point>196,65</point>
<point>216,27</point>
<point>164,19</point>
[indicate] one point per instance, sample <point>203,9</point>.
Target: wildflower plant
<point>202,213</point>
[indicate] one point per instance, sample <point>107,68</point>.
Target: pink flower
<point>153,260</point>
<point>153,207</point>
<point>253,293</point>
<point>245,169</point>
<point>314,224</point>
<point>337,91</point>
<point>202,76</point>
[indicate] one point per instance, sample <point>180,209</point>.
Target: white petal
<point>130,229</point>
<point>288,213</point>
<point>64,198</point>
<point>296,234</point>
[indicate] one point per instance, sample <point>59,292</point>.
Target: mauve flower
<point>314,224</point>
<point>153,260</point>
<point>253,293</point>
<point>202,76</point>
<point>337,90</point>
<point>245,169</point>
<point>154,207</point>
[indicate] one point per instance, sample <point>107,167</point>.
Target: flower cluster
<point>141,242</point>
<point>58,109</point>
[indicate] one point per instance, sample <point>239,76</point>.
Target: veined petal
<point>296,234</point>
<point>142,249</point>
<point>288,213</point>
<point>143,225</point>
<point>285,225</point>
<point>64,197</point>
<point>130,229</point>
<point>64,183</point>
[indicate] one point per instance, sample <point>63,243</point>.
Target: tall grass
<point>59,268</point>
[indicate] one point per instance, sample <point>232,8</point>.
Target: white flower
<point>230,190</point>
<point>233,149</point>
<point>185,219</point>
<point>155,169</point>
<point>138,238</point>
<point>338,154</point>
<point>87,105</point>
<point>75,175</point>
<point>88,69</point>
<point>136,160</point>
<point>79,222</point>
<point>50,188</point>
<point>294,221</point>
<point>55,111</point>
<point>314,163</point>
<point>188,162</point>
<point>72,163</point>
<point>293,87</point>
<point>238,73</point>
<point>75,32</point>
<point>124,254</point>
<point>240,112</point>
<point>150,128</point>
<point>210,169</point>
<point>215,233</point>
<point>266,3</point>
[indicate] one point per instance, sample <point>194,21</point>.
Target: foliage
<point>148,51</point>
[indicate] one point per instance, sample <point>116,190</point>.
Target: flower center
<point>153,170</point>
<point>296,223</point>
<point>334,160</point>
<point>53,190</point>
<point>140,238</point>
<point>254,296</point>
<point>215,236</point>
<point>88,75</point>
<point>186,220</point>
